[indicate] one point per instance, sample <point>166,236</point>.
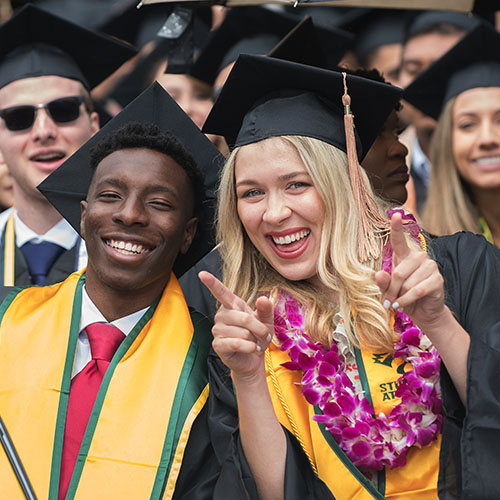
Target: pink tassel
<point>371,223</point>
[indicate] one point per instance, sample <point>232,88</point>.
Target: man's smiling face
<point>137,218</point>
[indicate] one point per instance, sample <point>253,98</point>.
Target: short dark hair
<point>135,135</point>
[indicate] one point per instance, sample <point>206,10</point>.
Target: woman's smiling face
<point>279,207</point>
<point>476,137</point>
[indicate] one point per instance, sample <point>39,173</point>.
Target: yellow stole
<point>485,229</point>
<point>417,480</point>
<point>152,392</point>
<point>9,246</point>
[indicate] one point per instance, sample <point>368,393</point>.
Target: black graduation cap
<point>36,43</point>
<point>68,185</point>
<point>249,30</point>
<point>425,21</point>
<point>266,97</point>
<point>473,62</point>
<point>139,26</point>
<point>88,13</point>
<point>308,44</point>
<point>133,25</point>
<point>377,27</point>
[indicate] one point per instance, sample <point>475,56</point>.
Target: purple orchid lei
<point>371,442</point>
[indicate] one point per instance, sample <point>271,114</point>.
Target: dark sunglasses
<point>63,110</point>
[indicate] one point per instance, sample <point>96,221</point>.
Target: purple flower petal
<point>350,433</point>
<point>326,370</point>
<point>332,409</point>
<point>347,404</point>
<point>361,449</point>
<point>312,395</point>
<point>305,362</point>
<point>426,370</point>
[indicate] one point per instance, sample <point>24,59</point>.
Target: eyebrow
<point>474,112</point>
<point>286,177</point>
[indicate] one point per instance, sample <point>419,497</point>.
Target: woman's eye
<point>298,185</point>
<point>251,193</point>
<point>465,125</point>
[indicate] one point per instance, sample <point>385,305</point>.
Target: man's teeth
<point>290,238</point>
<point>126,248</point>
<point>489,160</point>
<point>49,156</point>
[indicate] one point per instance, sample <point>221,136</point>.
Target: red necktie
<point>104,340</point>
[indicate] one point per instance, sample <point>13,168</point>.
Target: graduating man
<point>47,68</point>
<point>103,377</point>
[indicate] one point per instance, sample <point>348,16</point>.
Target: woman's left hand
<point>415,285</point>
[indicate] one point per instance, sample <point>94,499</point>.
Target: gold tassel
<point>371,224</point>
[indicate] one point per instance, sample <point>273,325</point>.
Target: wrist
<point>249,380</point>
<point>439,325</point>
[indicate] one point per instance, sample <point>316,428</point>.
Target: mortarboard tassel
<point>371,223</point>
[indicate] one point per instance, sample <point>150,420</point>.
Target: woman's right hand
<point>241,334</point>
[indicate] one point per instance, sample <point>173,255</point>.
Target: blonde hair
<point>449,207</point>
<point>249,275</point>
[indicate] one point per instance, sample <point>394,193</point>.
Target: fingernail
<point>400,309</point>
<point>395,305</point>
<point>258,348</point>
<point>269,337</point>
<point>387,303</point>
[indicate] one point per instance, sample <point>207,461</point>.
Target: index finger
<point>398,240</point>
<point>227,298</point>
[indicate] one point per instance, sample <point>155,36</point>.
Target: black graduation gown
<point>471,438</point>
<point>210,438</point>
<point>470,453</point>
<point>195,292</point>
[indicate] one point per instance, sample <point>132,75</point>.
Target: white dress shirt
<point>91,314</point>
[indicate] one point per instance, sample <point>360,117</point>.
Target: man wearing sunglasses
<point>47,68</point>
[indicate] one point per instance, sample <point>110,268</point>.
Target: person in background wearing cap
<point>192,95</point>
<point>257,30</point>
<point>462,91</point>
<point>103,377</point>
<point>428,36</point>
<point>379,39</point>
<point>326,301</point>
<point>46,114</point>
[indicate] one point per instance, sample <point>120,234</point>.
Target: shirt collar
<point>91,314</point>
<point>61,234</point>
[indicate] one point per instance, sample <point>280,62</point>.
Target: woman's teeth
<point>488,161</point>
<point>290,238</point>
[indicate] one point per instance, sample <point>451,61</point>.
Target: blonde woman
<point>463,90</point>
<point>326,302</point>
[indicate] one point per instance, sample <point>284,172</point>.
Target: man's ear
<point>189,233</point>
<point>83,211</point>
<point>94,122</point>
